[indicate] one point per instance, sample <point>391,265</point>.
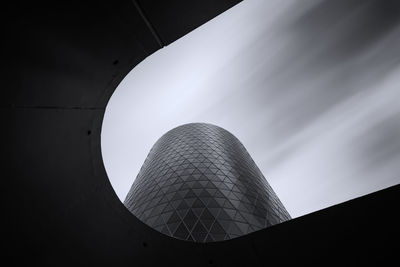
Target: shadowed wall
<point>60,207</point>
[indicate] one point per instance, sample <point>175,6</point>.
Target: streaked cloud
<point>309,87</point>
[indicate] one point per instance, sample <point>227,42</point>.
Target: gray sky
<point>311,88</point>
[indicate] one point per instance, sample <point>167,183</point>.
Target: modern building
<point>199,183</point>
<point>58,205</point>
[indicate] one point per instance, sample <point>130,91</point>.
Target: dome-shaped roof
<point>199,183</point>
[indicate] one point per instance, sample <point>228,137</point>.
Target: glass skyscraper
<point>199,183</point>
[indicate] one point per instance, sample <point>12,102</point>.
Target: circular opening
<point>307,123</point>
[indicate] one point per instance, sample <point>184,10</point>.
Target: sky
<point>311,88</point>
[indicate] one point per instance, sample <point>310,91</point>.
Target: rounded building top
<point>199,183</point>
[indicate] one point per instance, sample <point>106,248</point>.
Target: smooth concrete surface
<point>60,209</point>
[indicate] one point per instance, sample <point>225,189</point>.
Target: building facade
<point>199,183</point>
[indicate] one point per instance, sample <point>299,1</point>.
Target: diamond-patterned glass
<point>199,183</point>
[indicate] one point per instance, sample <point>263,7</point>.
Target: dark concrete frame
<point>60,208</point>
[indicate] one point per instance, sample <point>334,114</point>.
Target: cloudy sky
<point>311,88</point>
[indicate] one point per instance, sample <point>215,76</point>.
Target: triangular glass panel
<point>169,207</point>
<point>176,197</point>
<point>166,215</point>
<point>218,194</point>
<point>207,215</point>
<point>235,230</point>
<point>196,164</point>
<point>203,183</point>
<point>197,185</point>
<point>217,184</point>
<point>235,189</point>
<point>231,213</point>
<point>174,218</point>
<point>211,191</point>
<point>198,204</point>
<point>242,207</point>
<point>190,216</point>
<point>205,193</point>
<point>214,211</point>
<point>225,224</point>
<point>190,194</point>
<point>181,232</point>
<point>221,178</point>
<point>205,200</point>
<point>171,189</point>
<point>216,228</point>
<point>209,238</point>
<point>159,193</point>
<point>196,171</point>
<point>158,228</point>
<point>261,221</point>
<point>223,215</point>
<point>207,223</point>
<point>159,221</point>
<point>182,205</point>
<point>146,213</point>
<point>150,221</point>
<point>197,191</point>
<point>182,213</point>
<point>232,196</point>
<point>199,228</point>
<point>199,237</point>
<point>169,196</point>
<point>184,178</point>
<point>176,203</point>
<point>220,201</point>
<point>228,205</point>
<point>165,231</point>
<point>197,175</point>
<point>224,192</point>
<point>190,182</point>
<point>218,237</point>
<point>190,201</point>
<point>243,227</point>
<point>198,211</point>
<point>180,171</point>
<point>239,195</point>
<point>183,193</point>
<point>190,223</point>
<point>231,236</point>
<point>213,204</point>
<point>235,203</point>
<point>239,218</point>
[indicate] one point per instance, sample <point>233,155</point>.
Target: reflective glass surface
<point>199,183</point>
